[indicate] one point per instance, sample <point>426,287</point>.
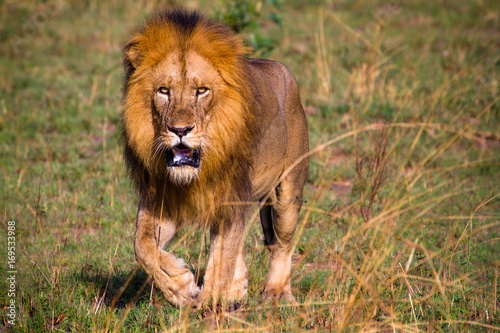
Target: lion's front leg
<point>226,273</point>
<point>170,274</point>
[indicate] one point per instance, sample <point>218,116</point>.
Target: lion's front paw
<point>177,282</point>
<point>180,290</point>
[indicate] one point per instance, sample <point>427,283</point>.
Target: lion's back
<point>282,121</point>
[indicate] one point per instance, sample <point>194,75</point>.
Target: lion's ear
<point>131,55</point>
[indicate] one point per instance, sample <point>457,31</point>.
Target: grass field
<point>401,226</point>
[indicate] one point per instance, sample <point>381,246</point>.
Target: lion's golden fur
<point>207,130</point>
<point>232,132</point>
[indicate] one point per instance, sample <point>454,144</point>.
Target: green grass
<point>401,226</point>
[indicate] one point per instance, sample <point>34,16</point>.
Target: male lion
<point>208,131</point>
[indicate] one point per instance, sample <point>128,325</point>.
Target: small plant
<point>371,172</point>
<point>244,17</point>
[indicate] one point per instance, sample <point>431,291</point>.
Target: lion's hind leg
<point>279,222</point>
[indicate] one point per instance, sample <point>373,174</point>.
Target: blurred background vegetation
<point>401,226</point>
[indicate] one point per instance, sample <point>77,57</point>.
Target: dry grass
<point>401,226</point>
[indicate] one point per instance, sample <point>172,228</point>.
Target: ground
<point>400,229</point>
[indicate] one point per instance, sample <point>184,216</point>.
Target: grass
<point>401,226</point>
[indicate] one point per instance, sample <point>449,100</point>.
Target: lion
<point>207,133</point>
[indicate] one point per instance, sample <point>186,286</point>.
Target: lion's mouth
<point>181,155</point>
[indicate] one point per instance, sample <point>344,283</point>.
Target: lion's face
<point>184,86</point>
<point>173,134</point>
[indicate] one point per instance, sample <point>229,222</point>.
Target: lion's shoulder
<point>280,77</point>
<point>271,68</point>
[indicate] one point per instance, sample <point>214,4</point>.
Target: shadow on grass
<point>118,289</point>
<point>123,287</point>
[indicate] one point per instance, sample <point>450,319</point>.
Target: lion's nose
<point>180,131</point>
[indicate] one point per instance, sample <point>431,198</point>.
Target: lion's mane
<point>231,133</point>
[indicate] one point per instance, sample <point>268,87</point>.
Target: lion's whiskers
<point>156,147</point>
<point>159,147</point>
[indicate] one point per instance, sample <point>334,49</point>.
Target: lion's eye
<point>164,91</point>
<point>201,91</point>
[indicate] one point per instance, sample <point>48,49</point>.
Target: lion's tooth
<point>177,158</point>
